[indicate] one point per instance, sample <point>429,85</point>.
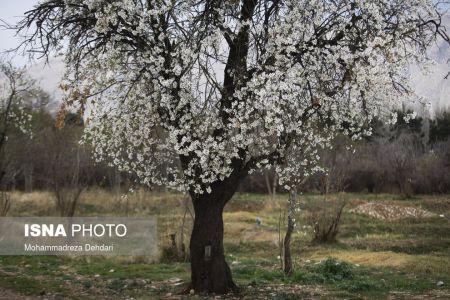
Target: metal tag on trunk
<point>207,252</point>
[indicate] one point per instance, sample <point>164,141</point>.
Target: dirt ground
<point>11,295</point>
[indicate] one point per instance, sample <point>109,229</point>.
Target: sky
<point>11,11</point>
<point>432,86</point>
<point>48,76</point>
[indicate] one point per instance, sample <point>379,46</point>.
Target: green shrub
<point>334,270</point>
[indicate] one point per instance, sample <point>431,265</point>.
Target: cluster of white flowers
<point>169,103</point>
<point>16,88</point>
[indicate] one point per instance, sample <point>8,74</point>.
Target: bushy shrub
<point>171,252</point>
<point>325,218</point>
<point>334,270</point>
<point>329,270</point>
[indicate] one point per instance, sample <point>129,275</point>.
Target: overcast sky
<point>11,11</point>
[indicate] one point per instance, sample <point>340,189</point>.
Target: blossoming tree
<point>196,94</point>
<point>15,87</point>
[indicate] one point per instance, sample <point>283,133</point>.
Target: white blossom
<point>167,104</point>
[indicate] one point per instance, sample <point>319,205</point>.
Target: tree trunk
<point>117,182</point>
<point>287,248</point>
<point>288,268</point>
<point>210,272</point>
<point>28,178</point>
<point>268,184</point>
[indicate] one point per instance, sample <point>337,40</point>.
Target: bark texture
<point>288,267</point>
<point>210,272</point>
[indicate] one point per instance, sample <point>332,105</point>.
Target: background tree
<point>440,127</point>
<point>213,90</point>
<point>15,87</point>
<point>26,158</point>
<point>70,168</point>
<point>400,159</point>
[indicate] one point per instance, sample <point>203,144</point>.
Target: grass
<point>373,259</point>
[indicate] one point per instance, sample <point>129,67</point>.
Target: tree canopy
<point>187,93</point>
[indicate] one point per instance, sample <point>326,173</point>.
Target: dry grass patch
<point>241,216</point>
<point>438,204</point>
<point>41,198</point>
<point>379,259</point>
<point>250,232</point>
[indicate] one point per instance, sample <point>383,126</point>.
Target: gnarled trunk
<point>210,272</point>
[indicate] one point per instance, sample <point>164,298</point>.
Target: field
<point>403,256</point>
